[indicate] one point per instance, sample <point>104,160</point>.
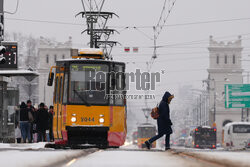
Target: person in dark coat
<point>163,122</point>
<point>31,109</point>
<point>51,114</point>
<point>42,122</point>
<point>24,122</point>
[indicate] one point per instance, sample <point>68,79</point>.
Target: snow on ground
<point>33,154</point>
<point>123,158</point>
<point>240,158</point>
<point>34,158</point>
<point>22,146</point>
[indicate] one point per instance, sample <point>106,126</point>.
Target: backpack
<point>155,112</point>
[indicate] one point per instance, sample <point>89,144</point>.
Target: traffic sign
<point>237,95</point>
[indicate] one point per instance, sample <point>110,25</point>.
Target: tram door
<point>58,105</point>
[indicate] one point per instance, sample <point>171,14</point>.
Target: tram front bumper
<point>87,135</point>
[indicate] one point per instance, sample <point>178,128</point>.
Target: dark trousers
<point>25,131</point>
<point>31,132</point>
<point>41,136</point>
<point>167,138</point>
<point>51,135</point>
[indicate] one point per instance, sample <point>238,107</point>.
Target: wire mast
<point>96,20</point>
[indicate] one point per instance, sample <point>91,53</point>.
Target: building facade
<point>224,68</point>
<point>48,53</point>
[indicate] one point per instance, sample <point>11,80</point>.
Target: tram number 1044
<point>88,119</point>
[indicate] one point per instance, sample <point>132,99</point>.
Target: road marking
<point>71,162</point>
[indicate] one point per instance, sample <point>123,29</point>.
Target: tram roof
<point>87,60</point>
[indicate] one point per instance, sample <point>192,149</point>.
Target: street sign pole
<point>247,115</point>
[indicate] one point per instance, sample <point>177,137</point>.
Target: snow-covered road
<point>35,155</point>
<point>131,158</point>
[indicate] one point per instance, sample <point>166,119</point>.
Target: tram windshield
<point>146,132</point>
<point>88,84</point>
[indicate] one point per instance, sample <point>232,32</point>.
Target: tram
<point>145,132</point>
<point>86,107</point>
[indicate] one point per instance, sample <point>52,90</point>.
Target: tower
<point>224,68</point>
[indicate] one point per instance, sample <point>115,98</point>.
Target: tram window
<point>65,90</point>
<point>119,93</point>
<point>241,128</point>
<point>56,89</point>
<point>83,90</point>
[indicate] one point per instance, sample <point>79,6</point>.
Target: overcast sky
<point>183,64</point>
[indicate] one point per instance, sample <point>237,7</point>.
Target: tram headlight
<point>73,119</point>
<point>101,120</point>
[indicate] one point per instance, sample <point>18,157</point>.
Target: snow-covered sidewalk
<point>36,158</point>
<point>35,155</point>
<point>22,146</point>
<point>228,158</point>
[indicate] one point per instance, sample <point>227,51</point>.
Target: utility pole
<point>1,20</point>
<point>93,14</point>
<point>2,83</point>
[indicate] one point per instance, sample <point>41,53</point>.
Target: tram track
<point>71,159</point>
<point>205,161</point>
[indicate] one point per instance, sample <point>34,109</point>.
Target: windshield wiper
<point>82,98</point>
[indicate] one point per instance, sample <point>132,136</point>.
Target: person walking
<point>31,109</point>
<point>24,123</point>
<point>50,123</point>
<point>42,122</point>
<point>163,122</point>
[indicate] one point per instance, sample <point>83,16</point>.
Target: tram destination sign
<point>237,95</point>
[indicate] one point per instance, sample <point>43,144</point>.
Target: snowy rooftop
<point>9,73</point>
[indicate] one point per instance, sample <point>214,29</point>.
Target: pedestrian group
<point>34,124</point>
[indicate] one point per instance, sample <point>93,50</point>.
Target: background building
<point>48,53</point>
<point>224,68</point>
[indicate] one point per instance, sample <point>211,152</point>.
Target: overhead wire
<point>17,5</point>
<point>165,19</point>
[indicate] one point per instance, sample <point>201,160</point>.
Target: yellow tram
<point>145,132</point>
<point>89,107</point>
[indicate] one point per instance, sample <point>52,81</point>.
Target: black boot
<point>147,144</point>
<point>167,148</point>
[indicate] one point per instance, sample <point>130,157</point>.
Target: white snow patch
<point>34,158</point>
<point>241,158</point>
<point>131,159</point>
<point>23,146</point>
